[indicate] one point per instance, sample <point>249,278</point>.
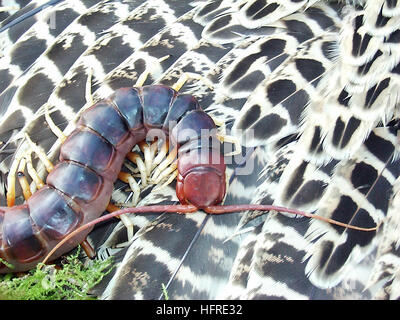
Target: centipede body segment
<point>79,187</point>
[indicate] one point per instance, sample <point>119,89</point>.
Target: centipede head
<point>201,185</point>
<point>201,166</point>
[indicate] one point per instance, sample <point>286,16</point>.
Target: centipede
<point>61,213</point>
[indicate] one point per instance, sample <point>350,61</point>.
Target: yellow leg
<point>11,181</point>
<point>56,130</point>
<point>163,165</point>
<point>149,152</point>
<point>164,174</point>
<point>23,181</point>
<point>124,218</point>
<point>189,75</point>
<point>234,141</point>
<point>135,158</point>
<point>170,179</point>
<point>128,225</point>
<point>17,169</point>
<point>40,153</point>
<point>143,77</point>
<point>156,167</point>
<point>223,137</point>
<point>154,164</point>
<point>127,178</point>
<point>32,171</point>
<point>162,153</point>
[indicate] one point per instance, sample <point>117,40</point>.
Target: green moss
<point>72,282</point>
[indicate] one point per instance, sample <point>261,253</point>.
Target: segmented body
<point>79,188</point>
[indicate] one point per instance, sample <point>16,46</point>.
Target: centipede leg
<point>143,76</point>
<point>124,218</point>
<point>165,173</point>
<point>149,152</point>
<point>40,153</point>
<point>136,159</point>
<point>231,139</point>
<point>224,137</point>
<point>170,179</point>
<point>53,127</point>
<point>185,76</point>
<point>23,181</point>
<point>162,153</point>
<point>22,160</point>
<point>127,178</point>
<point>11,182</point>
<point>164,164</point>
<point>32,171</point>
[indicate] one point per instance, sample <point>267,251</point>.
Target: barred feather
<point>386,272</point>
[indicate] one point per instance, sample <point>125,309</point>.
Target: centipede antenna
<point>260,207</point>
<point>28,14</point>
<point>149,209</point>
<point>185,209</point>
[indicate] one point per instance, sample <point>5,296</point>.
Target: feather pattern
<point>367,74</point>
<point>384,278</point>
